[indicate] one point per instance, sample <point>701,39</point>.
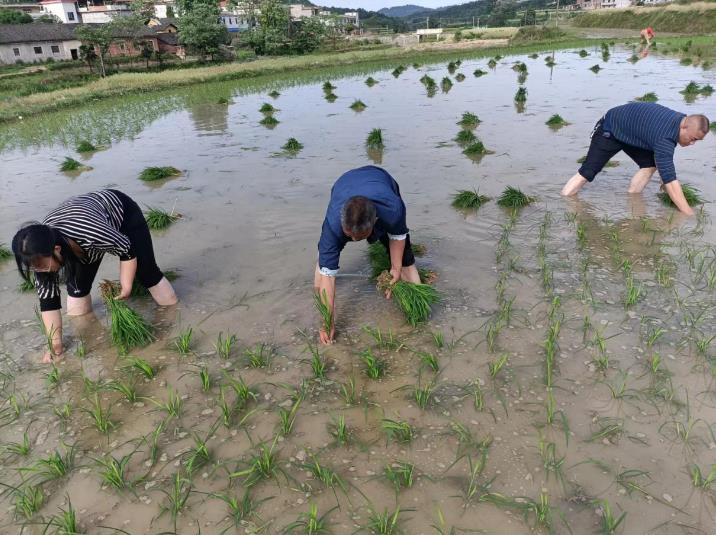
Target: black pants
<point>603,148</point>
<point>408,256</point>
<point>134,226</point>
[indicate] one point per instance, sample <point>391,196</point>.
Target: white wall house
<point>165,9</point>
<point>103,13</point>
<point>299,11</point>
<point>615,4</point>
<point>234,22</point>
<point>31,43</point>
<point>65,10</point>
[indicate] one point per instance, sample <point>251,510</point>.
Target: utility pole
<point>557,15</point>
<point>427,23</point>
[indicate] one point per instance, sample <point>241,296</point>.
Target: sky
<point>375,5</point>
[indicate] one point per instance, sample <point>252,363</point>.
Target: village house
<point>101,12</point>
<point>30,43</point>
<point>65,11</point>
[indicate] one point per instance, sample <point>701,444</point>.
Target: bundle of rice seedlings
<point>328,87</point>
<point>358,105</point>
<point>520,66</point>
<point>498,57</point>
<point>583,53</point>
<point>414,300</point>
<point>375,139</point>
<point>514,198</point>
<point>686,61</point>
<point>647,97</point>
<point>451,67</point>
<point>605,47</point>
<point>468,199</point>
<point>469,120</point>
<point>427,80</point>
<point>274,94</point>
<point>521,95</point>
<point>5,253</point>
<point>692,88</point>
<point>535,55</point>
<point>267,108</point>
<point>479,72</point>
<point>476,148</point>
<point>151,174</point>
<point>85,146</point>
<point>446,84</point>
<point>492,64</point>
<point>324,310</point>
<point>380,261</point>
<point>556,121</point>
<point>70,164</point>
<point>128,329</point>
<point>465,137</point>
<point>692,195</point>
<point>398,70</point>
<point>460,77</point>
<point>331,97</point>
<point>370,81</point>
<point>707,90</point>
<point>292,145</point>
<point>595,68</point>
<point>158,219</point>
<point>138,289</point>
<point>269,121</point>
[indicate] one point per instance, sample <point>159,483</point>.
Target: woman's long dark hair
<point>35,240</point>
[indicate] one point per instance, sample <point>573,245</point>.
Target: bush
<point>533,34</point>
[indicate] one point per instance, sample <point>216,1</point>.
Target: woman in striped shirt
<point>71,243</point>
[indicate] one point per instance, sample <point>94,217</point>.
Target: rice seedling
<point>423,395</point>
<point>384,523</point>
<point>370,81</point>
<point>438,339</point>
<point>707,90</point>
<point>113,471</point>
<point>65,522</point>
<point>465,137</point>
<point>608,430</point>
<point>427,81</point>
<point>647,97</point>
<point>634,292</point>
<point>224,346</point>
<point>128,329</point>
<point>469,120</point>
<point>452,67</point>
<point>205,378</point>
<point>81,348</point>
<point>514,198</point>
<point>199,456</point>
<point>446,84</point>
<point>583,53</point>
<point>479,72</point>
<point>327,476</point>
<point>358,105</point>
<point>549,61</point>
<point>318,363</point>
<point>99,416</point>
<point>85,146</point>
<point>52,378</point>
<point>475,149</point>
<point>701,481</point>
<point>70,164</point>
<point>399,474</point>
<point>310,523</point>
<point>158,219</point>
<point>556,121</point>
<point>703,345</point>
<point>691,89</point>
<point>172,406</point>
<point>595,68</point>
<point>176,497</point>
<point>429,360</point>
<point>399,431</point>
<point>340,431</point>
<point>274,94</point>
<point>5,253</point>
<point>150,174</point>
<point>241,510</point>
<point>267,108</point>
<point>21,449</point>
<point>348,392</point>
<point>182,343</point>
<point>414,300</point>
<point>152,440</point>
<point>400,69</point>
<point>56,466</point>
<point>260,355</point>
<point>460,77</point>
<point>141,366</point>
<point>324,310</point>
<point>609,524</point>
<point>386,340</point>
<point>521,95</point>
<point>492,63</point>
<point>261,465</point>
<point>469,200</point>
<point>28,500</point>
<point>375,367</point>
<point>243,392</point>
<point>63,412</point>
<point>520,66</point>
<point>375,139</point>
<point>128,390</point>
<point>497,365</point>
<point>27,285</point>
<point>692,195</point>
<point>287,417</point>
<point>269,121</point>
<point>292,145</point>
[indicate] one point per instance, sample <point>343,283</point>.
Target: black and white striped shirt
<point>93,221</point>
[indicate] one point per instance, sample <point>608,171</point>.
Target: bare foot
<point>51,358</point>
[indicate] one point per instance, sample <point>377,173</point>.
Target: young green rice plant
<point>158,219</point>
<point>521,95</point>
<point>475,149</point>
<point>595,68</point>
<point>701,481</point>
<point>322,473</point>
<point>692,88</point>
<point>514,198</point>
<point>205,378</point>
<point>152,440</point>
<point>375,139</point>
<point>446,84</point>
<point>224,346</point>
<point>128,329</point>
<point>287,417</point>
<point>703,344</point>
<point>492,63</point>
<point>553,464</point>
<point>260,355</point>
<point>385,523</point>
<point>99,416</point>
<point>707,90</point>
<point>292,145</point>
<point>150,174</point>
<point>607,429</point>
<point>634,292</point>
<point>65,522</point>
<point>269,121</point>
<point>400,69</point>
<point>496,366</point>
<point>328,87</point>
<point>262,464</point>
<point>429,360</point>
<point>241,510</point>
<point>274,94</point>
<point>140,366</point>
<point>438,339</point>
<point>549,60</point>
<point>182,343</point>
<point>5,252</point>
<point>28,500</point>
<point>423,395</point>
<point>56,466</point>
<point>70,164</point>
<point>127,389</point>
<point>469,120</point>
<point>397,430</point>
<point>176,497</point>
<point>375,367</point>
<point>468,199</point>
<point>63,412</point>
<point>399,474</point>
<point>53,377</point>
<point>340,431</point>
<point>427,81</point>
<point>358,105</point>
<point>647,97</point>
<point>330,97</point>
<point>27,285</point>
<point>323,307</point>
<point>267,108</point>
<point>370,81</point>
<point>21,449</point>
<point>385,340</point>
<point>243,392</point>
<point>113,471</point>
<point>310,523</point>
<point>583,53</point>
<point>318,364</point>
<point>556,121</point>
<point>465,137</point>
<point>414,300</point>
<point>609,523</point>
<point>85,146</point>
<point>479,72</point>
<point>199,456</point>
<point>349,392</point>
<point>692,195</point>
<point>172,406</point>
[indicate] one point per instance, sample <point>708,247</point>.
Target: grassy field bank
<point>691,18</point>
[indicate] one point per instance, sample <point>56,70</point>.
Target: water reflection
<point>210,119</point>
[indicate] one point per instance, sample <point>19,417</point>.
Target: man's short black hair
<point>358,215</point>
<point>701,122</point>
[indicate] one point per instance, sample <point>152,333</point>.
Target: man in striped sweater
<point>648,134</point>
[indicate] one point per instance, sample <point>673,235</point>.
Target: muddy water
<point>623,430</point>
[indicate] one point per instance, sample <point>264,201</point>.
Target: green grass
<point>521,95</point>
<point>375,139</point>
<point>85,146</point>
<point>647,97</point>
<point>514,198</point>
<point>158,219</point>
<point>469,199</point>
<point>414,300</point>
<point>692,195</point>
<point>128,329</point>
<point>469,120</point>
<point>358,105</point>
<point>150,174</point>
<point>556,121</point>
<point>292,145</point>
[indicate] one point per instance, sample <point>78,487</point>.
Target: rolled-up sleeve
<point>664,158</point>
<point>329,251</point>
<point>48,290</point>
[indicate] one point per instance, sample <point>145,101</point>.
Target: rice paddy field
<point>565,381</point>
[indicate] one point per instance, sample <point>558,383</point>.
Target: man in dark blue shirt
<point>648,134</point>
<point>365,204</point>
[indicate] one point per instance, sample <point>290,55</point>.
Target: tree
<point>170,12</point>
<point>88,54</point>
<point>14,17</point>
<point>309,35</point>
<point>99,38</point>
<point>530,17</point>
<point>147,51</point>
<point>270,35</point>
<point>201,31</point>
<point>47,18</point>
<point>142,9</point>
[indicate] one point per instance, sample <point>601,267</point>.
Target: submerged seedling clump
<point>446,84</point>
<point>476,148</point>
<point>375,139</point>
<point>647,97</point>
<point>521,95</point>
<point>128,329</point>
<point>479,72</point>
<point>370,81</point>
<point>414,300</point>
<point>469,120</point>
<point>151,174</point>
<point>158,219</point>
<point>492,63</point>
<point>465,137</point>
<point>358,105</point>
<point>292,145</point>
<point>70,164</point>
<point>583,53</point>
<point>469,199</point>
<point>514,198</point>
<point>269,121</point>
<point>274,94</point>
<point>85,146</point>
<point>595,68</point>
<point>328,87</point>
<point>267,108</point>
<point>556,121</point>
<point>692,195</point>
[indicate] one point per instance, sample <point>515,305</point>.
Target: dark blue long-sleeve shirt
<point>648,126</point>
<point>375,184</point>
